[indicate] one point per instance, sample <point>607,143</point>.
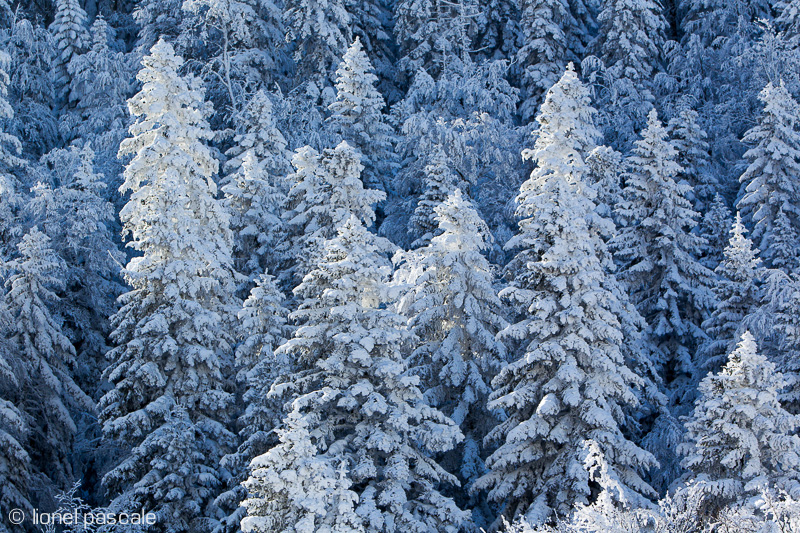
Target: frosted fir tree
<point>10,161</point>
<point>431,33</point>
<point>629,46</point>
<point>767,184</point>
<point>371,22</point>
<point>690,140</point>
<point>669,286</point>
<point>255,205</point>
<point>715,229</point>
<point>605,170</point>
<point>263,323</point>
<point>455,313</point>
<point>357,115</point>
<point>738,295</point>
<point>280,500</point>
<point>31,89</point>
<point>440,183</point>
<point>14,460</point>
<point>569,381</point>
<point>70,31</point>
<point>785,254</point>
<point>158,19</point>
<point>169,404</point>
<point>257,129</point>
<point>326,190</point>
<point>353,395</point>
<point>320,32</point>
<point>241,42</point>
<point>78,220</point>
<point>544,25</point>
<point>47,395</point>
<point>740,437</point>
<point>100,83</point>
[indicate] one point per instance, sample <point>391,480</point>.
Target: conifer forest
<point>399,266</point>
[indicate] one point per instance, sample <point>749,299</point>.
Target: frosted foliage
<point>768,184</point>
<point>262,321</point>
<point>168,400</point>
<point>100,82</point>
<point>357,116</point>
<point>737,293</point>
<point>242,42</point>
<point>70,31</point>
<point>568,382</point>
<point>47,395</point>
<point>715,229</point>
<point>669,286</point>
<point>542,57</point>
<point>430,33</point>
<point>455,313</point>
<point>629,46</point>
<point>440,181</point>
<point>326,189</point>
<point>10,149</point>
<point>690,140</point>
<point>361,406</point>
<point>321,31</point>
<point>255,199</point>
<point>740,437</point>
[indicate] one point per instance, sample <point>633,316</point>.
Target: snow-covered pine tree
<point>263,323</point>
<point>605,170</point>
<point>320,33</point>
<point>280,501</point>
<point>739,436</point>
<point>355,403</point>
<point>157,19</point>
<point>690,140</point>
<point>669,286</point>
<point>440,182</point>
<point>71,34</point>
<point>255,206</point>
<point>30,91</point>
<point>788,19</point>
<point>715,229</point>
<point>326,189</point>
<point>99,85</point>
<point>769,184</point>
<point>737,296</point>
<point>169,404</point>
<point>430,33</point>
<point>47,396</point>
<point>544,25</point>
<point>15,463</point>
<point>785,254</point>
<point>10,150</point>
<point>455,313</point>
<point>71,209</point>
<point>569,382</point>
<point>357,116</point>
<point>629,46</point>
<point>371,22</point>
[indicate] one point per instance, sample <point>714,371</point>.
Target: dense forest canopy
<point>418,266</point>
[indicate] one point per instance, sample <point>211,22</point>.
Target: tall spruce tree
<point>354,405</point>
<point>320,33</point>
<point>570,382</point>
<point>455,313</point>
<point>769,185</point>
<point>170,402</point>
<point>657,248</point>
<point>740,437</point>
<point>737,295</point>
<point>357,116</point>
